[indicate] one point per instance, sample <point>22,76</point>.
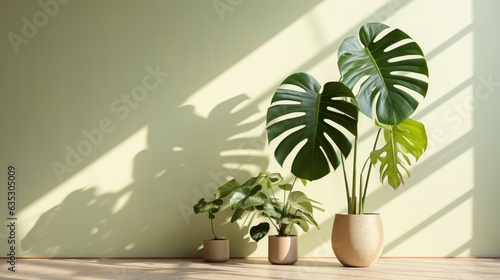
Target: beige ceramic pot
<point>357,240</point>
<point>216,250</point>
<point>283,249</point>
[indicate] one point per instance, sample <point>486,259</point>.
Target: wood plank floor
<point>254,268</point>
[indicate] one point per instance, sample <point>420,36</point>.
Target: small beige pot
<point>216,250</point>
<point>357,240</point>
<point>283,249</point>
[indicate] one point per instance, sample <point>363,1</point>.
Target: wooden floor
<point>316,268</point>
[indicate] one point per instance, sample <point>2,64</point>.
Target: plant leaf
<point>259,231</point>
<point>274,178</point>
<point>322,119</point>
<point>300,201</point>
<point>212,207</point>
<point>407,138</point>
<point>304,181</point>
<point>271,210</point>
<point>255,190</point>
<point>237,213</point>
<point>226,189</point>
<point>296,199</point>
<point>238,197</point>
<point>286,187</point>
<point>254,200</point>
<point>303,224</point>
<point>396,71</point>
<point>311,219</point>
<point>199,205</point>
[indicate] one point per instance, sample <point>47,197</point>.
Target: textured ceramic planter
<point>357,240</point>
<point>216,250</point>
<point>283,249</point>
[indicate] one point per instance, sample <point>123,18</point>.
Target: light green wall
<point>119,115</point>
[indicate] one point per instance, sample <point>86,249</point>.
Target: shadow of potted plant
<point>217,248</point>
<point>260,195</point>
<point>388,73</point>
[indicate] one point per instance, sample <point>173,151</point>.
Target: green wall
<point>119,115</point>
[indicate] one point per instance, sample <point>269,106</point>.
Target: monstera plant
<point>388,73</point>
<point>384,76</point>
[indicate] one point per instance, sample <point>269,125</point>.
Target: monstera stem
<point>368,161</point>
<point>363,188</point>
<point>353,207</point>
<point>346,184</point>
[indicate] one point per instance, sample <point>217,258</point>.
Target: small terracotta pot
<point>216,250</point>
<point>283,249</point>
<point>357,240</point>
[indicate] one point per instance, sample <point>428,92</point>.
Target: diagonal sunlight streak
<point>460,249</point>
<point>448,151</point>
<point>450,41</point>
<point>253,62</point>
<point>120,158</point>
<point>427,222</point>
<point>435,161</point>
<point>303,58</point>
<point>267,88</point>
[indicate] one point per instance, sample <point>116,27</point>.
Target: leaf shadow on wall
<point>186,158</point>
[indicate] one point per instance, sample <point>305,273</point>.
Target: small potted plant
<point>260,194</point>
<point>217,248</point>
<point>384,76</point>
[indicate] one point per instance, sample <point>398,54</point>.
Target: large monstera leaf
<point>325,121</point>
<point>407,138</point>
<point>393,70</point>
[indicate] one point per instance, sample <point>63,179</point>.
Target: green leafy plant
<point>389,74</point>
<point>212,207</point>
<point>260,194</point>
